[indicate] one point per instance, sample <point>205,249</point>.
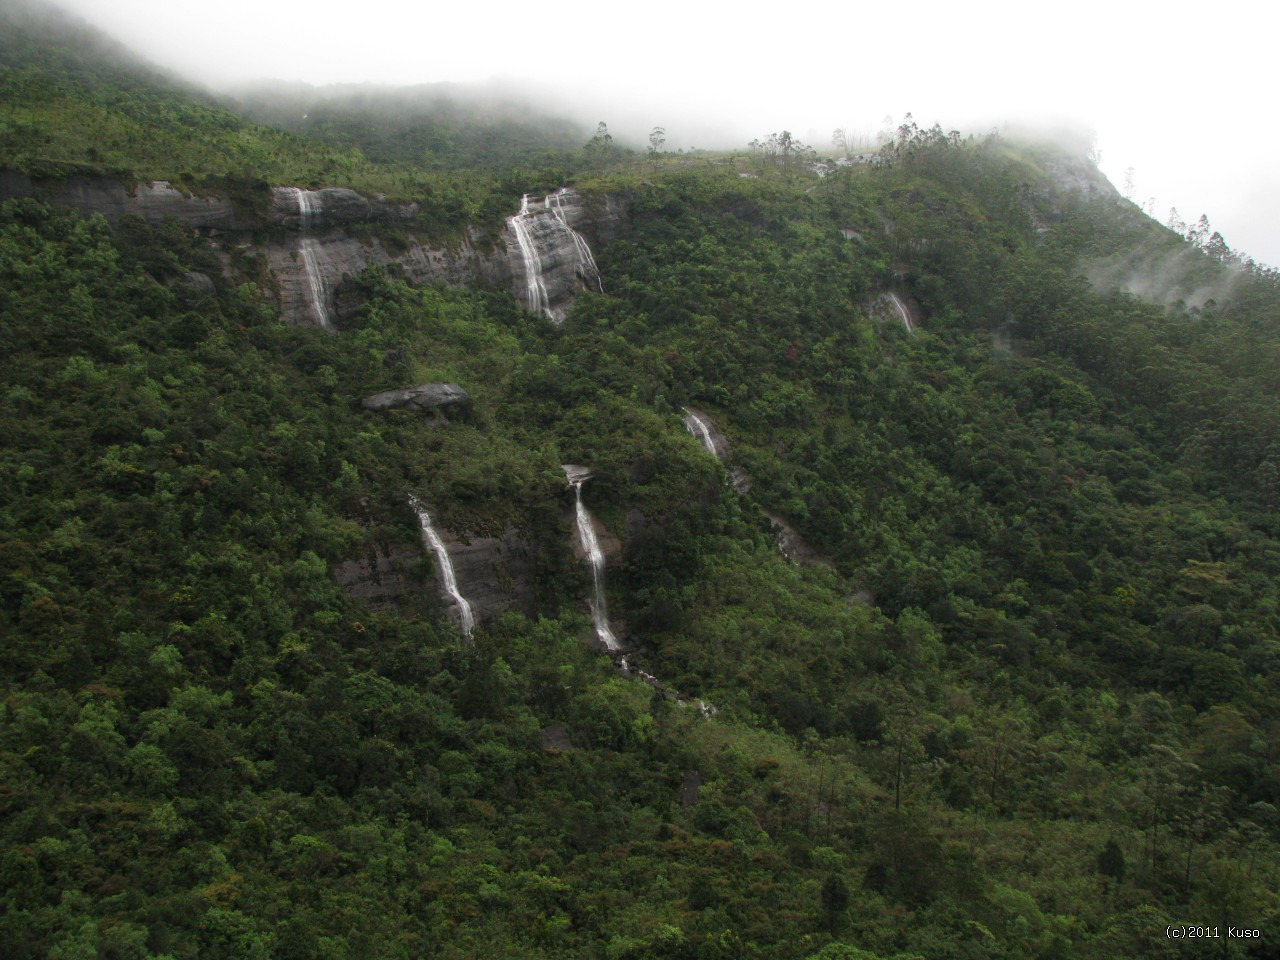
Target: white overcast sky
<point>1176,95</point>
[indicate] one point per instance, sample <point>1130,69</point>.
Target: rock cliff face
<point>339,258</point>
<point>304,209</point>
<point>312,270</point>
<point>383,578</point>
<point>150,201</point>
<point>494,573</point>
<point>547,259</point>
<point>301,209</point>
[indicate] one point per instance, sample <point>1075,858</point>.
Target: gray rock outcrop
<point>110,198</point>
<point>339,258</point>
<point>495,574</point>
<point>302,209</point>
<point>197,284</point>
<point>435,399</point>
<point>382,579</point>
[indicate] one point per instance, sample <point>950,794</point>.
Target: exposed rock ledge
<point>446,400</point>
<point>290,206</point>
<point>338,259</point>
<point>150,201</point>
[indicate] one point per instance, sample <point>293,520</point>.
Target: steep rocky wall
<point>111,199</point>
<point>382,578</point>
<point>494,573</point>
<point>340,257</point>
<point>321,218</point>
<point>301,209</point>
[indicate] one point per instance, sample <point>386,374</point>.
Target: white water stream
<point>535,292</point>
<point>631,669</point>
<point>316,291</point>
<point>902,312</point>
<point>699,429</point>
<point>432,540</point>
<point>591,547</point>
<point>309,203</point>
<point>546,242</point>
<point>577,476</point>
<point>555,203</point>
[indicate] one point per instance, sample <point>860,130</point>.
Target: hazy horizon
<point>716,78</point>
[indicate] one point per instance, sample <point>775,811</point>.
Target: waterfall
<point>902,312</point>
<point>309,203</point>
<point>698,427</point>
<point>555,203</point>
<point>591,546</point>
<point>577,476</point>
<point>535,293</point>
<point>315,288</point>
<point>309,206</point>
<point>432,540</point>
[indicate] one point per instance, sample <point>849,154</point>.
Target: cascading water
<point>555,203</point>
<point>695,425</point>
<point>902,312</point>
<point>554,259</point>
<point>790,543</point>
<point>317,293</point>
<point>591,547</point>
<point>309,203</point>
<point>432,540</point>
<point>307,207</point>
<point>577,476</point>
<point>535,294</point>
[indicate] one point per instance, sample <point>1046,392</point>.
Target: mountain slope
<point>1024,701</point>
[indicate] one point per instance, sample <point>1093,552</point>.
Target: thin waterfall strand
<point>591,546</point>
<point>902,312</point>
<point>535,293</point>
<point>554,203</point>
<point>432,540</point>
<point>315,282</point>
<point>694,424</point>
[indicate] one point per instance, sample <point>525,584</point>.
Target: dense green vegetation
<point>1052,732</point>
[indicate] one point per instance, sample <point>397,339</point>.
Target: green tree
<point>657,140</point>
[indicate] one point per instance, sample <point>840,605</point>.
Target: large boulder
<point>445,400</point>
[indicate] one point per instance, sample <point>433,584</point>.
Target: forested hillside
<point>1017,699</point>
